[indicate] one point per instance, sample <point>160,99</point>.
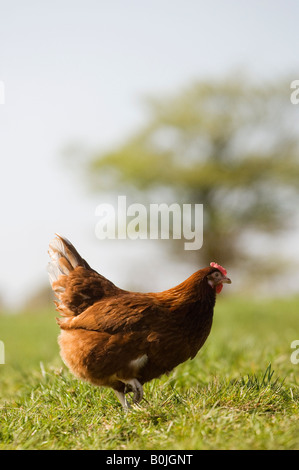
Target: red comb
<point>217,266</point>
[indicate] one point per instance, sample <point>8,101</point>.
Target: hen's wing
<point>123,313</point>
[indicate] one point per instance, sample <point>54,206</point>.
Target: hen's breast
<point>176,342</point>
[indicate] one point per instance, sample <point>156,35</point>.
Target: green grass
<point>240,392</point>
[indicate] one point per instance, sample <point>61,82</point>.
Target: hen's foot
<point>131,385</point>
<point>136,388</point>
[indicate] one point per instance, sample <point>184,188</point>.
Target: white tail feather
<point>62,260</point>
<point>53,271</point>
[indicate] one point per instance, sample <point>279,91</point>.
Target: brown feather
<point>104,329</point>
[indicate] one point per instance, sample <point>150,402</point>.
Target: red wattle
<point>219,288</point>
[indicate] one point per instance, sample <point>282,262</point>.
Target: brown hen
<point>120,339</point>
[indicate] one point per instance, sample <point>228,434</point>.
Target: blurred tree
<point>231,145</point>
<point>40,299</point>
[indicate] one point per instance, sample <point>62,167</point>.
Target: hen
<point>115,338</point>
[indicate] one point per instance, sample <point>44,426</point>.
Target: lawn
<point>240,392</point>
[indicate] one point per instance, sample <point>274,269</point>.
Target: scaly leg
<point>136,387</point>
<point>122,398</point>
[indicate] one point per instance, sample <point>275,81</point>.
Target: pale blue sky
<point>76,71</point>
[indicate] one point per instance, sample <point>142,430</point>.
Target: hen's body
<point>122,339</point>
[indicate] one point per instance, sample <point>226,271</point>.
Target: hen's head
<point>217,277</point>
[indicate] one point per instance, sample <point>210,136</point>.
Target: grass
<point>240,392</point>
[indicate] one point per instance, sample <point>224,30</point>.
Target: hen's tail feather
<point>64,258</point>
<point>75,284</point>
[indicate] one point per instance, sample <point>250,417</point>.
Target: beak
<point>226,280</point>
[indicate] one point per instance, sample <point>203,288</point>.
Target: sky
<point>76,72</point>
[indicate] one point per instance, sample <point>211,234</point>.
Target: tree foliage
<point>230,144</point>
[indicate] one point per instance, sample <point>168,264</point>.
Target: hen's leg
<point>136,387</point>
<point>122,398</point>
